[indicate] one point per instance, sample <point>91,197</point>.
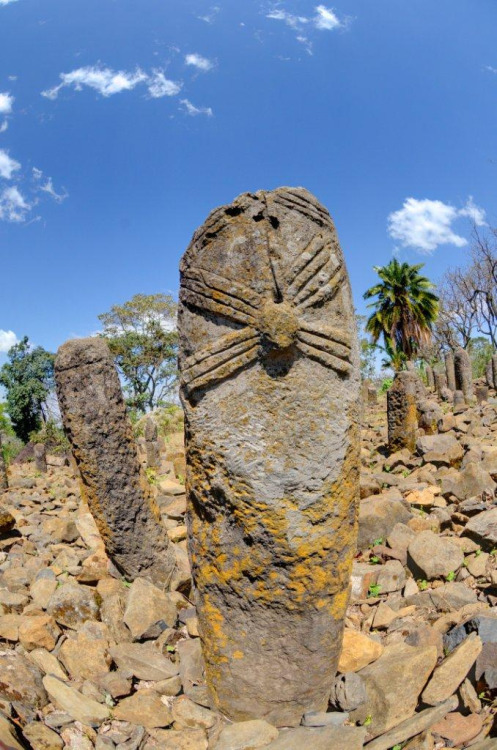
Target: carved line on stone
<point>323,357</point>
<point>307,209</point>
<point>321,293</point>
<point>321,340</point>
<point>203,301</point>
<point>313,258</point>
<point>221,359</point>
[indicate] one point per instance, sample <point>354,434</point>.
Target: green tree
<point>142,337</point>
<point>480,351</point>
<point>28,378</point>
<point>405,309</point>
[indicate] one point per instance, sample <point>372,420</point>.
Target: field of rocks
<point>89,659</point>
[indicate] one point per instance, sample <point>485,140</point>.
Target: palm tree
<point>404,311</point>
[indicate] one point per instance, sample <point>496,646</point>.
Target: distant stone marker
<point>430,377</point>
<point>450,371</point>
<point>463,373</point>
<point>112,483</point>
<point>152,444</point>
<point>402,414</point>
<point>271,389</point>
<point>40,454</point>
<point>4,483</point>
<point>494,371</point>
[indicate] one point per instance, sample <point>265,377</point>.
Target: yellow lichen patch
<point>238,655</point>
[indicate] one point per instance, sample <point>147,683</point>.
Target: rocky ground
<point>90,660</point>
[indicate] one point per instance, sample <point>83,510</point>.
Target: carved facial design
<point>276,322</point>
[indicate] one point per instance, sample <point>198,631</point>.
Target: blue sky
<point>124,122</point>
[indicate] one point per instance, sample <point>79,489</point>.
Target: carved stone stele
<point>271,389</point>
<point>450,370</point>
<point>463,373</point>
<point>112,482</point>
<point>4,482</point>
<point>402,413</point>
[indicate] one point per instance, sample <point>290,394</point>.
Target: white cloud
<point>194,111</point>
<point>474,212</point>
<point>6,2</point>
<point>490,69</point>
<point>7,165</point>
<point>103,80</point>
<point>426,224</point>
<point>13,205</point>
<point>47,186</point>
<point>7,340</point>
<point>6,102</point>
<point>210,16</point>
<point>159,85</point>
<point>199,62</point>
<point>4,126</point>
<point>325,19</point>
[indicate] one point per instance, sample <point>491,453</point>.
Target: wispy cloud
<point>13,205</point>
<point>193,111</point>
<point>326,19</point>
<point>7,165</point>
<point>6,102</point>
<point>7,340</point>
<point>6,2</point>
<point>108,82</point>
<point>4,126</point>
<point>45,185</point>
<point>199,62</point>
<point>426,224</point>
<point>490,69</point>
<point>210,16</point>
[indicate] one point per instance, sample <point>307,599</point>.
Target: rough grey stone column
<point>494,370</point>
<point>402,415</point>
<point>440,382</point>
<point>463,373</point>
<point>112,483</point>
<point>430,378</point>
<point>271,389</point>
<point>40,453</point>
<point>450,371</point>
<point>4,483</point>
<point>481,393</point>
<point>372,395</point>
<point>489,374</point>
<point>152,444</point>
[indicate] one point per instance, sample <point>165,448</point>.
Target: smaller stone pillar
<point>494,371</point>
<point>463,373</point>
<point>372,395</point>
<point>4,482</point>
<point>112,483</point>
<point>152,444</point>
<point>430,378</point>
<point>40,453</point>
<point>481,393</point>
<point>450,371</point>
<point>440,382</point>
<point>489,374</point>
<point>459,402</point>
<point>402,412</point>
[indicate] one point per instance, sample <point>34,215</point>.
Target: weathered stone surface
<point>494,370</point>
<point>450,674</point>
<point>413,726</point>
<point>146,606</point>
<point>144,708</point>
<point>7,735</point>
<point>463,373</point>
<point>402,412</point>
<point>72,604</point>
<point>4,482</point>
<point>379,514</point>
<point>143,661</point>
<point>21,681</point>
<point>440,449</point>
<point>324,738</point>
<point>78,706</point>
<point>432,556</point>
<point>40,737</point>
<point>348,692</point>
<point>458,729</point>
<point>430,377</point>
<point>358,651</point>
<point>440,383</point>
<point>246,734</point>
<point>112,482</point>
<point>450,371</point>
<point>152,444</point>
<point>393,684</point>
<point>468,482</point>
<point>40,454</point>
<point>481,393</point>
<point>270,387</point>
<point>483,528</point>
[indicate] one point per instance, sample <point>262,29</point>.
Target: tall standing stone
<point>440,382</point>
<point>271,390</point>
<point>152,444</point>
<point>494,370</point>
<point>402,414</point>
<point>489,374</point>
<point>450,371</point>
<point>112,483</point>
<point>40,454</point>
<point>4,483</point>
<point>463,373</point>
<point>430,378</point>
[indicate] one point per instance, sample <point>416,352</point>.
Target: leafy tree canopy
<point>142,337</point>
<point>28,378</point>
<point>405,309</point>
